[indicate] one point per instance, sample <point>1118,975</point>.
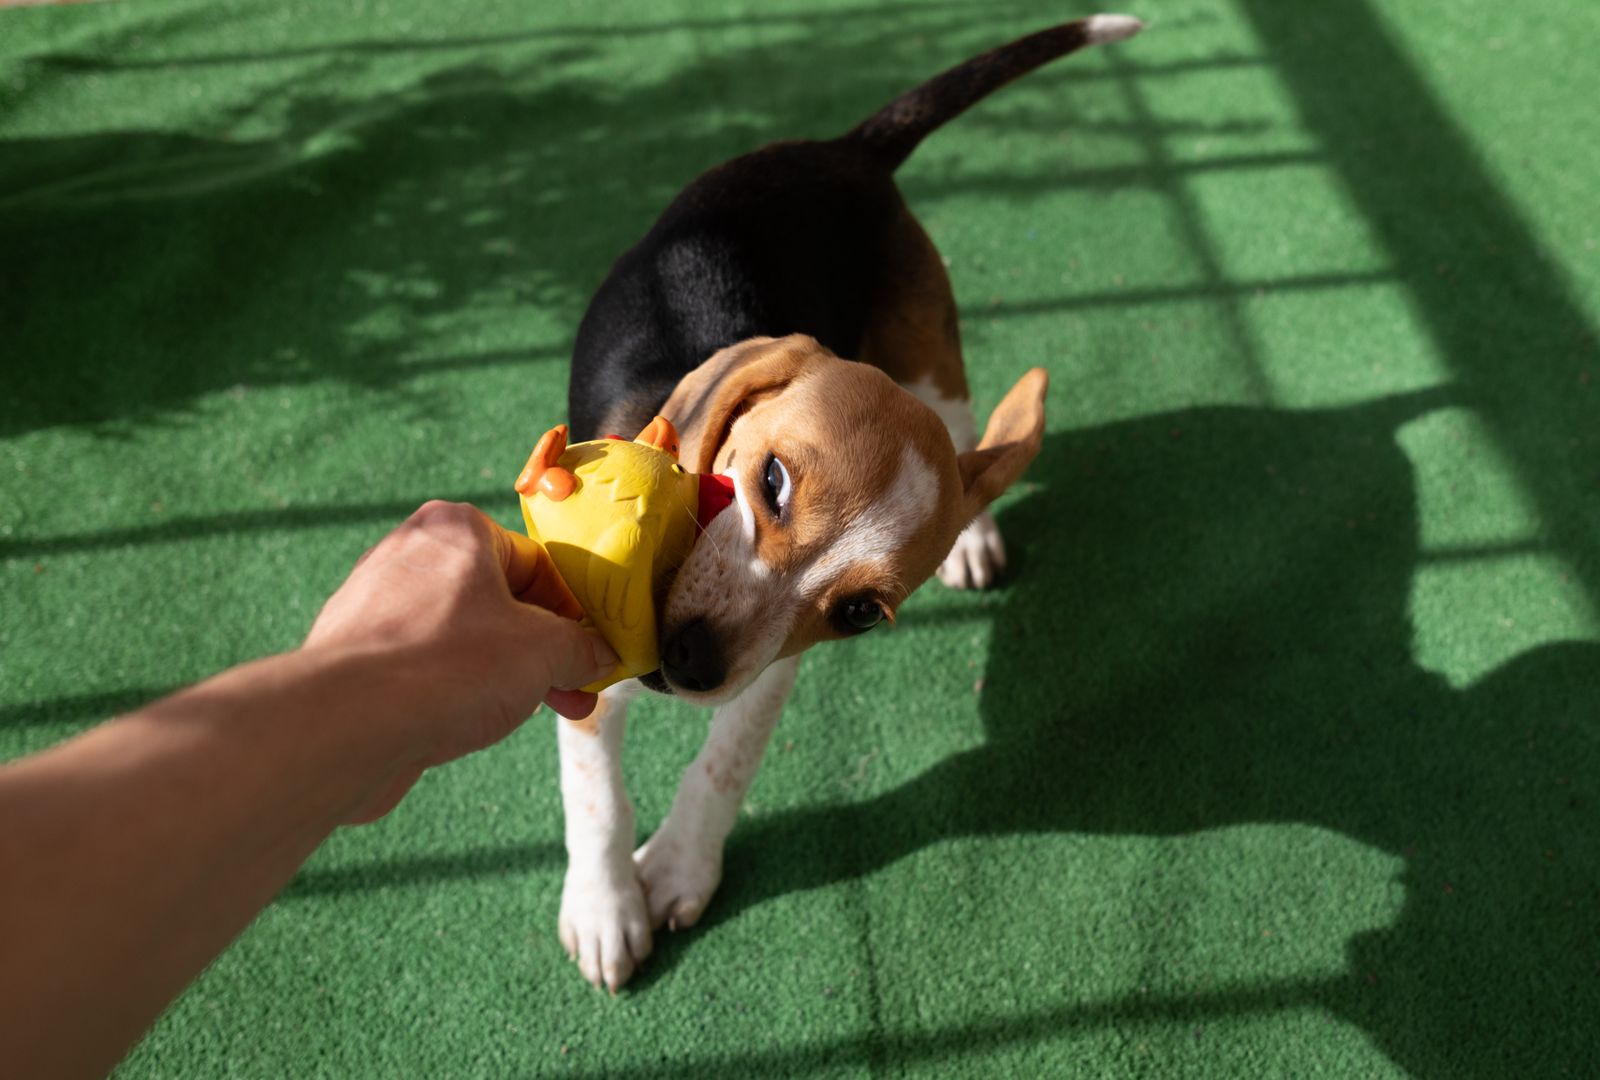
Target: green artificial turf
<point>1276,755</point>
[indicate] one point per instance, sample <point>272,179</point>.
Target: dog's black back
<point>793,238</point>
<point>788,239</point>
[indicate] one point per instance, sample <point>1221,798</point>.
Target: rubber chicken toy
<point>618,518</point>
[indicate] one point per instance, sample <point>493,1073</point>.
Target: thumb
<point>565,655</point>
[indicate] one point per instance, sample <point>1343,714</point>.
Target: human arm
<point>131,855</point>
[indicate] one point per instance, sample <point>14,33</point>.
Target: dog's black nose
<point>692,657</point>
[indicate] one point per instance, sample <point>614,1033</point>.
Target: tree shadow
<point>161,266</point>
<point>169,266</point>
<point>238,523</point>
<point>1222,596</point>
<point>108,60</point>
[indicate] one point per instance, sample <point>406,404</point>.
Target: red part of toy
<point>716,492</point>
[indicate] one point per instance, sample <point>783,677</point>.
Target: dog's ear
<point>1010,442</point>
<point>707,401</point>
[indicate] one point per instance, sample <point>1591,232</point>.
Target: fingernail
<point>604,657</point>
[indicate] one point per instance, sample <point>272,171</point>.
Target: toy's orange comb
<point>660,434</point>
<point>543,471</point>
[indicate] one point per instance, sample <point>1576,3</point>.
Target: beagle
<point>854,480</point>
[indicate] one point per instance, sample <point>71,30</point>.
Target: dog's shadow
<point>1214,630</point>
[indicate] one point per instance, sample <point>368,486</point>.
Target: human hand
<point>466,627</point>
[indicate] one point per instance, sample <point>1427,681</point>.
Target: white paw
<point>679,875</point>
<point>978,556</point>
<point>604,924</point>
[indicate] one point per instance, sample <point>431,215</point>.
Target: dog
<point>854,479</point>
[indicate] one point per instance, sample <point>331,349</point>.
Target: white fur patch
<point>955,412</point>
<point>747,526</point>
<point>875,534</point>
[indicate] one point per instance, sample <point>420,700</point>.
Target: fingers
<point>531,573</point>
<point>527,567</point>
<point>572,704</point>
<point>563,656</point>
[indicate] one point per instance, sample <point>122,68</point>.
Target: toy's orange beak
<point>716,492</point>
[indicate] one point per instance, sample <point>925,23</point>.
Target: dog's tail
<point>891,133</point>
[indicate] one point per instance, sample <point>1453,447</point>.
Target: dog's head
<point>848,494</point>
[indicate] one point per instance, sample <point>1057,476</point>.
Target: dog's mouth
<point>715,496</point>
<point>656,681</point>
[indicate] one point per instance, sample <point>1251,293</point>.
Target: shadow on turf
<point>412,871</point>
<point>1254,647</point>
<point>183,528</point>
<point>1223,594</point>
<point>75,709</point>
<point>322,253</point>
<point>104,60</point>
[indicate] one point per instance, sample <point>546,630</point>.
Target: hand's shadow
<point>1222,596</point>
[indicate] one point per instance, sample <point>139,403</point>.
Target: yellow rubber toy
<point>618,518</point>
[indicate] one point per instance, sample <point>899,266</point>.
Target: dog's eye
<point>858,614</point>
<point>775,484</point>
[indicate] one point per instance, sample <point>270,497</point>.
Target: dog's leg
<point>604,923</point>
<point>977,557</point>
<point>681,866</point>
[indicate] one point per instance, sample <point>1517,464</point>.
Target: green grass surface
<point>1278,753</point>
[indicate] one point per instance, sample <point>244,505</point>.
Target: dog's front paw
<point>605,925</point>
<point>978,556</point>
<point>679,875</point>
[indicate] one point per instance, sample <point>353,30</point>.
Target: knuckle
<point>438,510</point>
